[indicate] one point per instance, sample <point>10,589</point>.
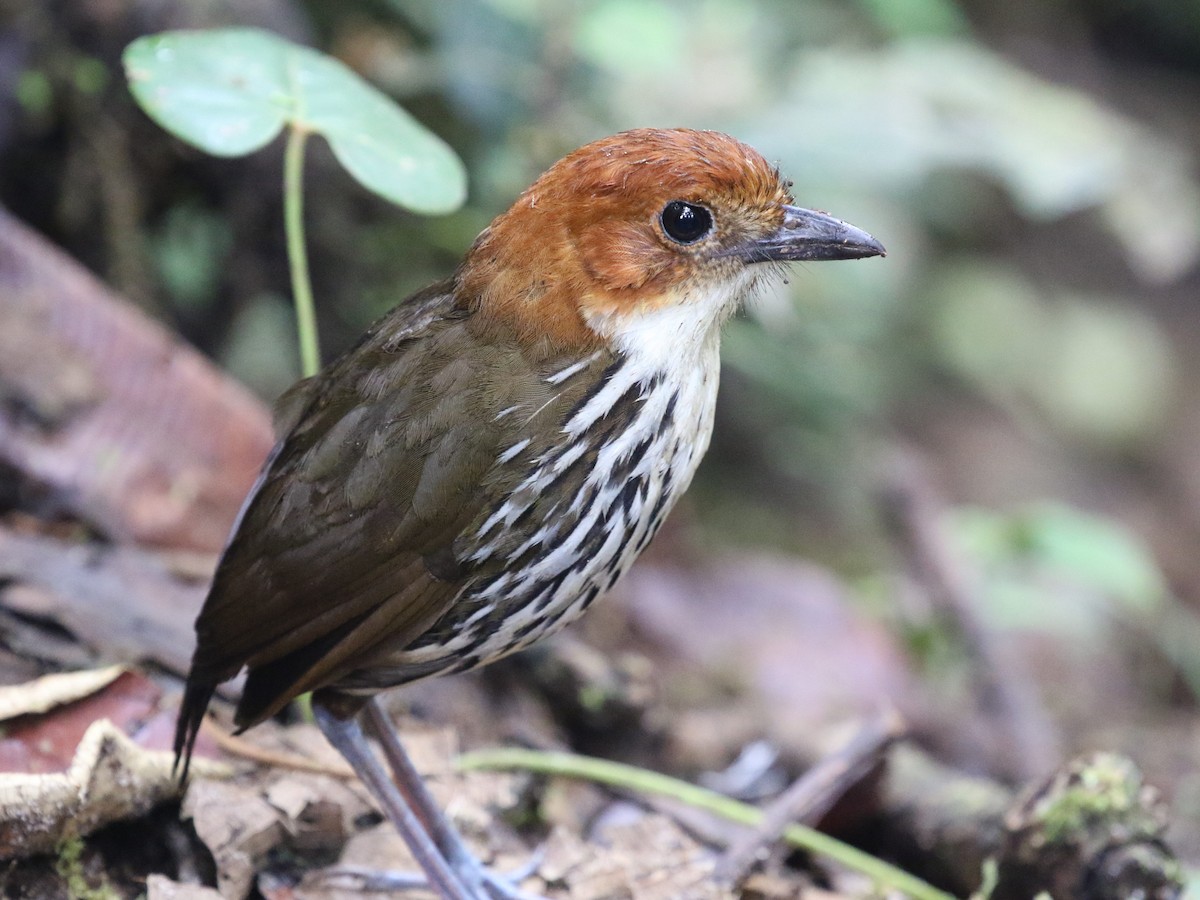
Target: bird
<point>495,451</point>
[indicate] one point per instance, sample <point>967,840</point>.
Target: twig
<point>914,512</point>
<point>811,796</point>
<point>279,759</point>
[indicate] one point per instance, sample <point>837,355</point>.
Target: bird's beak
<point>808,234</point>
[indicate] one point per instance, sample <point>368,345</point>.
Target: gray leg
<point>346,735</point>
<point>420,801</point>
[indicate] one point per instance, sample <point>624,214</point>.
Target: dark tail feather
<point>191,714</point>
<point>270,686</point>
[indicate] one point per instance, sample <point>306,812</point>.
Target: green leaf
<point>1095,552</point>
<point>905,18</point>
<point>1059,570</point>
<point>229,92</point>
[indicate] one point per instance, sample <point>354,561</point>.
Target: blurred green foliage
<point>1051,568</point>
<point>1099,369</point>
<point>1033,221</point>
<point>1080,578</point>
<point>190,246</point>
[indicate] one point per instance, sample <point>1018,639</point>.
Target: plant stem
<point>293,224</point>
<point>603,771</point>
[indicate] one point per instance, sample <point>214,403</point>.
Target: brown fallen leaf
<point>238,826</point>
<point>313,820</point>
<point>650,858</point>
<point>45,693</point>
<point>48,742</point>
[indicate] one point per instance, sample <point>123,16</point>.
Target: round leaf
<point>223,91</point>
<point>231,91</point>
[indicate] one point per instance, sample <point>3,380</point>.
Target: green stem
<point>619,775</point>
<point>293,223</point>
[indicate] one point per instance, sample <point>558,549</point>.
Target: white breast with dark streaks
<point>586,542</point>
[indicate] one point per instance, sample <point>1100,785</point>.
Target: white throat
<point>682,331</point>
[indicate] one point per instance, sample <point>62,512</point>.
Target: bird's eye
<point>685,222</point>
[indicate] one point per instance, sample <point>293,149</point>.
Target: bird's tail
<point>196,696</point>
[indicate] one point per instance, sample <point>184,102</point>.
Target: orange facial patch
<point>587,231</point>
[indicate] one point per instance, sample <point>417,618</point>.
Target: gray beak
<point>807,234</point>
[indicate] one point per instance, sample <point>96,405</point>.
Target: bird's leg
<point>418,798</point>
<point>346,735</point>
<point>412,786</point>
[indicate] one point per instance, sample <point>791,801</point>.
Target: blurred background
<point>1016,388</point>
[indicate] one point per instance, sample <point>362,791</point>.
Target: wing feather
<point>330,552</point>
<point>346,549</point>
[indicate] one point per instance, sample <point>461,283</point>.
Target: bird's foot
<point>359,878</point>
<point>450,869</point>
<point>483,882</point>
<point>498,886</point>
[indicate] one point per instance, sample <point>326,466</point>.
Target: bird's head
<point>648,235</point>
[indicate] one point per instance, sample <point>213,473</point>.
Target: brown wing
<point>346,541</point>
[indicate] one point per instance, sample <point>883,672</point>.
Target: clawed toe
<point>505,886</point>
<point>359,878</point>
<point>487,885</point>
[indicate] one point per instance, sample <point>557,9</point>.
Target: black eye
<point>685,222</point>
